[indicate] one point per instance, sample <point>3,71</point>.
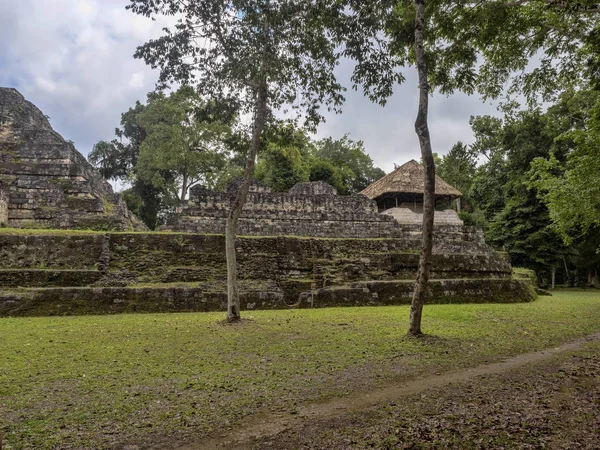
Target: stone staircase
<point>59,273</point>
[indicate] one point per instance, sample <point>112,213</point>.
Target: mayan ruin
<point>299,225</point>
<point>358,256</point>
<point>45,182</point>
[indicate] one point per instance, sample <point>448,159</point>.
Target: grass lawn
<point>93,382</point>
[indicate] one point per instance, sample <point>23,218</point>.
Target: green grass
<point>92,382</point>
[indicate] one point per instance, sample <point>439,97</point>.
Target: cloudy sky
<point>73,59</point>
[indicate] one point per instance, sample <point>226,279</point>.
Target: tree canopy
<point>186,139</point>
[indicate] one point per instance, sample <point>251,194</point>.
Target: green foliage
<point>184,144</point>
<point>517,221</point>
<point>117,160</point>
<point>571,188</point>
<point>474,218</point>
<point>280,168</point>
<point>523,229</point>
<point>291,45</point>
<point>356,166</point>
<point>323,170</point>
<point>290,156</point>
<point>487,46</point>
<point>457,167</point>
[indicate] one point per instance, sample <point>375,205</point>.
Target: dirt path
<point>264,425</point>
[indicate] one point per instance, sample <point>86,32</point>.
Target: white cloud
<point>136,80</point>
<point>74,60</point>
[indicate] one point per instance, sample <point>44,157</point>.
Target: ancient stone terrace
<point>45,180</point>
<point>46,273</point>
<point>308,209</point>
<point>308,247</point>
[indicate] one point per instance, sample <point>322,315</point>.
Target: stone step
<point>47,277</point>
<point>110,300</point>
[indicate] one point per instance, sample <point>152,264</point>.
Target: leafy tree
<point>586,258</point>
<point>291,157</point>
<point>185,139</point>
<point>571,188</point>
<point>266,53</point>
<point>457,167</point>
<point>117,159</point>
<point>325,170</point>
<point>523,229</point>
<point>350,156</point>
<point>483,46</point>
<point>280,168</point>
<point>283,155</point>
<point>527,145</point>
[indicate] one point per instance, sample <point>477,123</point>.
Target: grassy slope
<point>91,382</point>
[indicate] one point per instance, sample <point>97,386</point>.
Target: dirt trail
<point>269,424</point>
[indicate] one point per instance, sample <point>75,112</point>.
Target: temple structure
<point>400,195</point>
<point>307,209</point>
<point>45,182</point>
<point>307,247</point>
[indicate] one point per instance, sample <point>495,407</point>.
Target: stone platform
<point>95,273</point>
<point>45,182</point>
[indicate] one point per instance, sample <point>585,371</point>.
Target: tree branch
<point>560,5</point>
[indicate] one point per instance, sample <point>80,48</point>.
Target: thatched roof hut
<point>405,185</point>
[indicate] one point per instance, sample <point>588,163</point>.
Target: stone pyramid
<point>45,182</point>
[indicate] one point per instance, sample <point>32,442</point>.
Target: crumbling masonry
<point>305,248</point>
<point>47,182</point>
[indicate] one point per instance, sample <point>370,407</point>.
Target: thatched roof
<point>408,179</point>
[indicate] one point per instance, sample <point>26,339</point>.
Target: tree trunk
<point>184,188</point>
<point>570,279</point>
<point>553,284</point>
<point>593,278</point>
<point>422,129</point>
<point>260,116</point>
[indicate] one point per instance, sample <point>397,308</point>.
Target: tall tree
<point>186,139</point>
<point>355,165</point>
<point>117,159</point>
<point>571,187</point>
<point>532,145</point>
<point>457,167</point>
<point>281,167</point>
<point>482,46</point>
<point>267,53</point>
<point>422,129</point>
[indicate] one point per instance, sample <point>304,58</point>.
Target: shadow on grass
<point>431,340</point>
<point>234,323</point>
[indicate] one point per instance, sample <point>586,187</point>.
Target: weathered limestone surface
<point>48,182</point>
<point>126,272</point>
<point>3,205</point>
<point>308,209</point>
<point>413,215</point>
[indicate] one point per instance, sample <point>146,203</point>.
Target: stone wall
<point>49,183</point>
<point>404,214</point>
<point>308,209</point>
<point>3,206</point>
<point>78,273</point>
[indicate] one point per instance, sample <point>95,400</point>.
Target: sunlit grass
<point>94,381</point>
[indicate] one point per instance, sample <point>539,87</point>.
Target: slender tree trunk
<point>184,188</point>
<point>553,283</point>
<point>422,129</point>
<point>570,279</point>
<point>260,116</point>
<point>593,278</point>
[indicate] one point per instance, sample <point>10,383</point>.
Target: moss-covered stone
<point>274,272</point>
